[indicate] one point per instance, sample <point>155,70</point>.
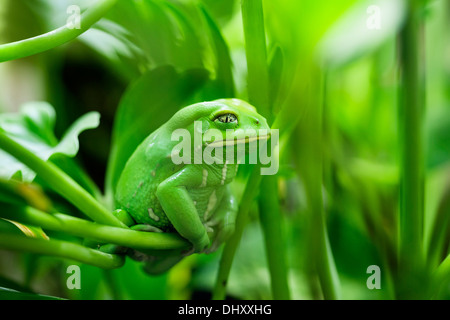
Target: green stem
<point>324,261</point>
<point>61,249</point>
<point>57,37</point>
<point>111,281</point>
<point>411,141</point>
<point>309,157</point>
<point>258,94</point>
<point>101,233</point>
<point>60,182</point>
<point>270,216</point>
<point>231,245</point>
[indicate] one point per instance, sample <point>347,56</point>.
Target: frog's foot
<point>223,234</point>
<point>139,255</point>
<point>155,265</point>
<point>113,249</point>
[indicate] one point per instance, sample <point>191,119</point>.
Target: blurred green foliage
<point>148,58</point>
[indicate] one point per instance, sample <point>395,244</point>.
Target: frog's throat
<point>231,142</point>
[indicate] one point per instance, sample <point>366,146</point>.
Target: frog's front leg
<point>179,208</point>
<point>224,219</point>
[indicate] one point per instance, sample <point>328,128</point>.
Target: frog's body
<point>138,196</point>
<point>193,199</point>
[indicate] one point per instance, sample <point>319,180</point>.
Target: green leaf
<point>33,129</point>
<point>223,83</point>
<point>159,33</point>
<point>438,138</point>
<point>190,51</point>
<point>116,44</point>
<point>20,193</point>
<point>221,10</point>
<point>362,29</point>
<point>276,72</point>
<point>10,294</point>
<point>146,105</point>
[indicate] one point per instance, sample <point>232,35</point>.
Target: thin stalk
<point>308,151</point>
<point>270,215</point>
<point>61,249</point>
<point>231,245</point>
<point>57,37</point>
<point>321,250</point>
<point>90,230</point>
<point>411,140</point>
<point>258,94</point>
<point>60,182</point>
<point>113,285</point>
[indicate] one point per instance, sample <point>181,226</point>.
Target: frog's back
<point>136,189</point>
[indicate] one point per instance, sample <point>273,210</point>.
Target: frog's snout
<point>261,124</point>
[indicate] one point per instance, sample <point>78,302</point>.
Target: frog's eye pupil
<point>227,118</point>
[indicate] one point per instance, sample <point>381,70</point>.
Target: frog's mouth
<point>232,142</point>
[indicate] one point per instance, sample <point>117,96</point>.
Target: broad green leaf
<point>146,105</point>
<point>116,44</point>
<point>163,35</point>
<point>361,30</point>
<point>33,128</point>
<point>223,84</point>
<point>190,51</point>
<point>221,10</point>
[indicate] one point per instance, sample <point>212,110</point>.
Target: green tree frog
<point>157,194</point>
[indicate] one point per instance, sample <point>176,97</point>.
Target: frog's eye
<point>227,118</point>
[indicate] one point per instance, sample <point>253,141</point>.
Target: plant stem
<point>270,215</point>
<point>57,37</point>
<point>321,250</point>
<point>101,233</point>
<point>62,249</point>
<point>231,245</point>
<point>258,94</point>
<point>411,140</point>
<point>60,182</point>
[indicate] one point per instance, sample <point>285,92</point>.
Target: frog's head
<point>225,124</point>
<point>228,122</point>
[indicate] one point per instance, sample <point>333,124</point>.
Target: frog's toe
<point>158,265</point>
<point>222,235</point>
<point>113,249</point>
<point>138,255</point>
<point>187,252</point>
<point>146,228</point>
